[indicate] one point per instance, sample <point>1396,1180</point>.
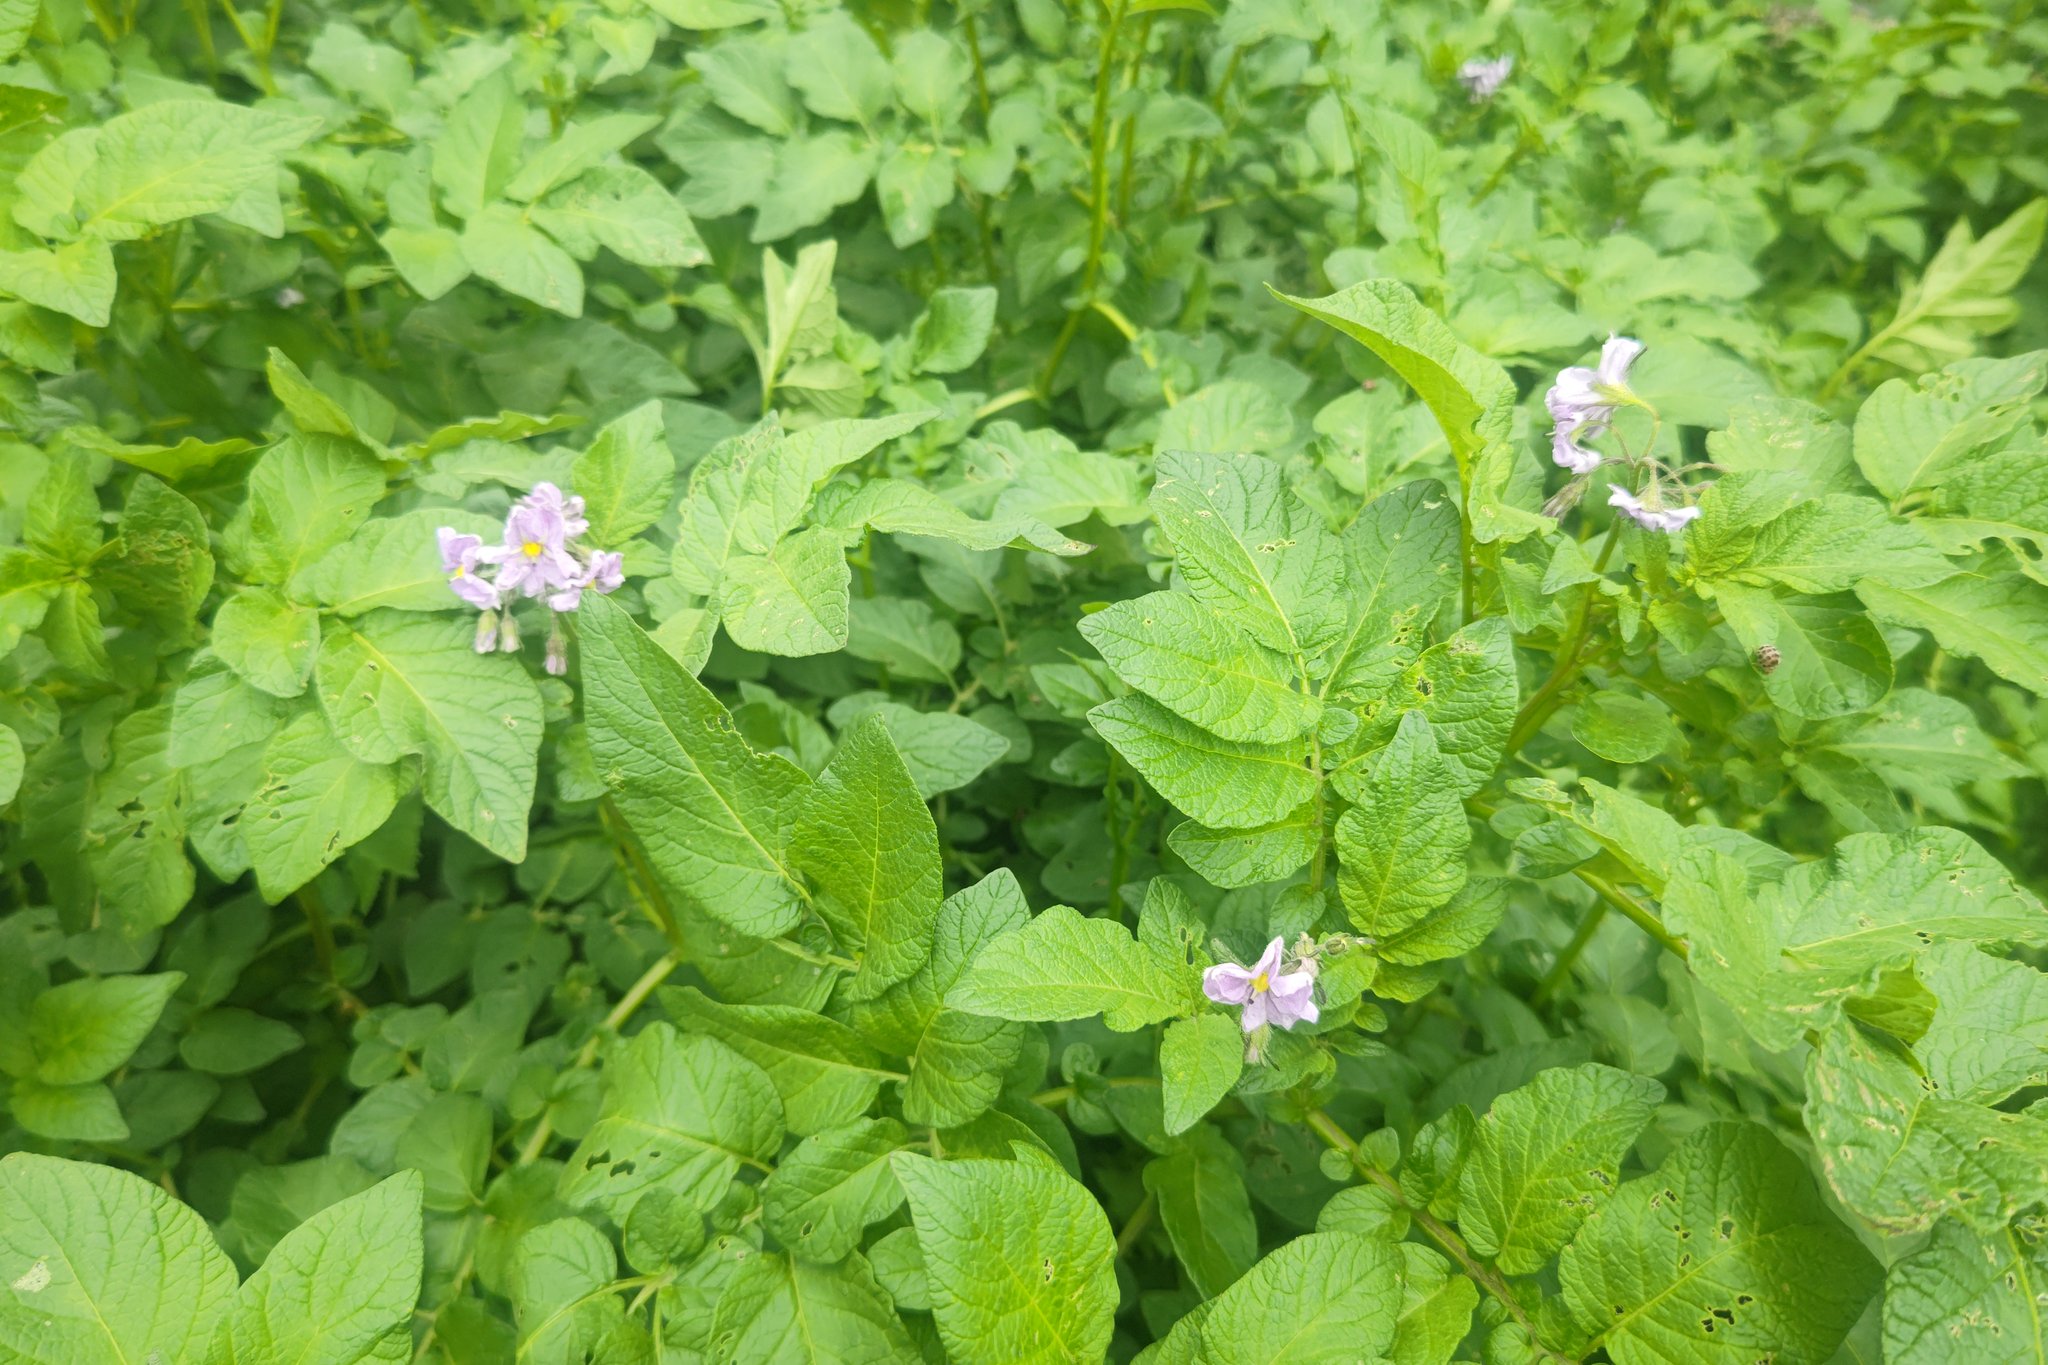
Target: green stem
<point>1639,914</point>
<point>635,996</point>
<point>1550,696</point>
<point>1134,1227</point>
<point>803,954</point>
<point>1098,217</point>
<point>1481,1274</point>
<point>1561,970</point>
<point>1060,1094</point>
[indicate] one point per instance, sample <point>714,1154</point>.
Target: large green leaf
<point>102,1265</point>
<point>1223,783</point>
<point>1064,965</point>
<point>714,816</point>
<point>825,1074</point>
<point>341,1286</point>
<point>396,683</point>
<point>681,1114</point>
<point>1403,843</point>
<point>1327,1298</point>
<point>1544,1157</point>
<point>831,1186</point>
<point>1725,1254</point>
<point>1966,1299</point>
<point>1019,1260</point>
<point>81,1030</point>
<point>867,839</point>
<point>1187,657</point>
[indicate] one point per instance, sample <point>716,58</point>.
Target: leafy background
<point>1077,468</point>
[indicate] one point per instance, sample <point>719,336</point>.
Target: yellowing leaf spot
<point>34,1280</point>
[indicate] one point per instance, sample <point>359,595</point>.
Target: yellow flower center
<point>460,571</point>
<point>532,548</point>
<point>1261,984</point>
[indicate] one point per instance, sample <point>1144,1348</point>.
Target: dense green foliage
<point>1089,514</point>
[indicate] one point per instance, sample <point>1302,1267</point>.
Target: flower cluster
<point>537,558</point>
<point>1582,404</point>
<point>1483,77</point>
<point>1268,994</point>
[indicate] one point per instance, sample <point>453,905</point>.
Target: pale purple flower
<point>536,557</point>
<point>569,509</point>
<point>1650,514</point>
<point>461,556</point>
<point>1268,995</point>
<point>1483,77</point>
<point>557,658</point>
<point>1583,399</point>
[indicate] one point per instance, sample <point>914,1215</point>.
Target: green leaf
<point>1200,1059</point>
<point>787,1310</point>
<point>1221,783</point>
<point>315,802</point>
<point>501,246</point>
<point>1436,1308</point>
<point>228,1041</point>
<point>714,816</point>
<point>867,840</point>
<point>1018,1257</point>
<point>81,1030</point>
<point>68,1113</point>
<point>395,683</point>
<point>831,1186</point>
<point>1723,1255</point>
<point>135,827</point>
<point>1250,548</point>
<point>311,409</point>
<point>1962,294</point>
<point>103,1265</point>
<point>1470,396</point>
<point>824,1073</point>
<point>390,562</point>
<point>10,764</point>
<point>1622,728</point>
<point>681,1114</point>
<point>1205,1209</point>
<point>839,71</point>
<point>1400,567</point>
<point>1546,1155</point>
<point>905,508</point>
<point>166,462</point>
<point>76,279</point>
<point>626,476</point>
<point>559,1272</point>
<point>165,565</point>
<point>1963,1298</point>
<point>904,636</point>
<point>1328,1298</point>
<point>1832,659</point>
<point>953,330</point>
<point>627,211</point>
<point>955,1060</point>
<point>791,601</point>
<point>1402,845</point>
<point>478,150</point>
<point>1911,435</point>
<point>1901,1156</point>
<point>306,496</point>
<point>175,159</point>
<point>580,145</point>
<point>268,641</point>
<point>1466,688</point>
<point>430,259</point>
<point>2001,619</point>
<point>1990,1033</point>
<point>1064,965</point>
<point>338,1287</point>
<point>1185,656</point>
<point>1832,543</point>
<point>1247,857</point>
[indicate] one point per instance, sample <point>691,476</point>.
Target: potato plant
<point>1183,682</point>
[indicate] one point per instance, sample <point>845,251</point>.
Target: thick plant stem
<point>1098,218</point>
<point>1641,915</point>
<point>1481,1274</point>
<point>1550,696</point>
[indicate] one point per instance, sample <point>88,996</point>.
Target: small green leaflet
<point>1185,656</point>
<point>831,1186</point>
<point>825,1074</point>
<point>1063,965</point>
<point>1200,1059</point>
<point>1403,843</point>
<point>1222,783</point>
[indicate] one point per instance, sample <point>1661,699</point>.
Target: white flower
<point>1650,514</point>
<point>1483,77</point>
<point>1582,402</point>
